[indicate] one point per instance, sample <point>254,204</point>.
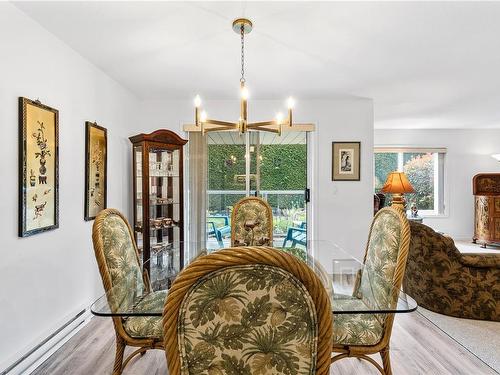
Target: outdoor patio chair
<point>296,235</point>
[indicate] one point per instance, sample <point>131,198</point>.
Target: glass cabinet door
<point>138,209</point>
<point>164,212</point>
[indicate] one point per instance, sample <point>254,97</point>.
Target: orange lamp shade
<point>397,183</point>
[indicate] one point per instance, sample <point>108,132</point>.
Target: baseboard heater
<point>75,322</point>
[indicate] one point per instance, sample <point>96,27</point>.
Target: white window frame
<point>439,155</point>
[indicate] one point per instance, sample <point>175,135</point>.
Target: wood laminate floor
<point>417,347</point>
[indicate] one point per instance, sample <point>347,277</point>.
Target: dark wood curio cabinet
<point>159,202</point>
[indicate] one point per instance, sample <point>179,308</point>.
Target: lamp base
<point>398,201</point>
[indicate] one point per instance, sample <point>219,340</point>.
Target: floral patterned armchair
<point>252,223</point>
<point>248,311</point>
<point>443,280</point>
<point>378,285</point>
<point>118,260</point>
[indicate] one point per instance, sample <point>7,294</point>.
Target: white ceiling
<point>426,65</point>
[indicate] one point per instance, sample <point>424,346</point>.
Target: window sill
<point>439,216</point>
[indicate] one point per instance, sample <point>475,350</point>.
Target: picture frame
<point>96,169</point>
<point>38,167</point>
<point>346,161</point>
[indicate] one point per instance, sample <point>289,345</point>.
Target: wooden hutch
<point>486,190</point>
<point>159,202</point>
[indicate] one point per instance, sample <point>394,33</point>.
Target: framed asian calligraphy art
<point>38,167</point>
<point>346,161</point>
<point>96,148</point>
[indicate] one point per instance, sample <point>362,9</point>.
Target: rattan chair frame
<point>122,337</point>
<point>382,347</point>
<point>247,255</point>
<point>266,206</point>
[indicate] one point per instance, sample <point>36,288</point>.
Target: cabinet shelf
<point>161,175</point>
<point>159,204</point>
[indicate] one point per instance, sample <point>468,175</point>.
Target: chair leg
<point>120,349</point>
<point>386,361</point>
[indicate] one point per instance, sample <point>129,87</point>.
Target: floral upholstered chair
<point>252,223</point>
<point>248,311</point>
<point>443,280</point>
<point>118,260</point>
<point>377,286</point>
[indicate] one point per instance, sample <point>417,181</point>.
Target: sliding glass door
<point>258,164</point>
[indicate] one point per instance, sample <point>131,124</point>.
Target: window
<point>425,170</point>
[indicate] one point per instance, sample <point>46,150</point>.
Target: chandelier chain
<point>242,33</point>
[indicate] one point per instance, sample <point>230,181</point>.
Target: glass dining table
<point>338,270</point>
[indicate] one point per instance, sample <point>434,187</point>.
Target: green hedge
<point>283,167</point>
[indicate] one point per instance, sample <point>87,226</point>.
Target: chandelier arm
<point>262,123</point>
<point>220,123</point>
<point>270,130</point>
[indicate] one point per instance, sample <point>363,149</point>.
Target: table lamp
<point>397,184</point>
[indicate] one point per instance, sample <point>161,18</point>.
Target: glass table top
<point>354,288</point>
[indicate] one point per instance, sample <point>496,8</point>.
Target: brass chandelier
<point>242,26</point>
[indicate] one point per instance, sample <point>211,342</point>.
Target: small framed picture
<point>346,161</point>
<point>38,167</point>
<point>96,144</point>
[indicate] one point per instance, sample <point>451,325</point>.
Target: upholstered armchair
<point>445,281</point>
<point>118,260</point>
<point>252,223</point>
<point>377,286</point>
<point>248,310</point>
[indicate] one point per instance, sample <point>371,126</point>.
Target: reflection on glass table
<point>354,288</point>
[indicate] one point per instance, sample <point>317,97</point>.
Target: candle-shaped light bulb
<point>290,102</point>
<point>244,93</point>
<point>197,101</point>
<point>279,118</point>
<point>203,116</point>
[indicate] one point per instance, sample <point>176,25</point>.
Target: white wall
<point>342,210</point>
<point>468,154</point>
<point>47,277</point>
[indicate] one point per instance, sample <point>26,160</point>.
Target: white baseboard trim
<point>27,363</point>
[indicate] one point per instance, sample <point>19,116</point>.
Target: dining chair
<point>247,310</point>
<point>252,223</point>
<point>377,286</point>
<point>118,261</point>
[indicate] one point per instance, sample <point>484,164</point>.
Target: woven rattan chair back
<point>252,223</point>
<point>380,282</point>
<point>117,257</point>
<point>226,308</point>
<point>115,249</point>
<point>384,260</point>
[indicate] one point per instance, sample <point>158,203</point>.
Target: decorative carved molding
<point>161,135</point>
<point>486,184</point>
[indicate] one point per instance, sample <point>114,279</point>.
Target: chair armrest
<point>357,283</point>
<point>297,229</point>
<point>481,260</point>
<point>145,278</point>
<point>212,224</point>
